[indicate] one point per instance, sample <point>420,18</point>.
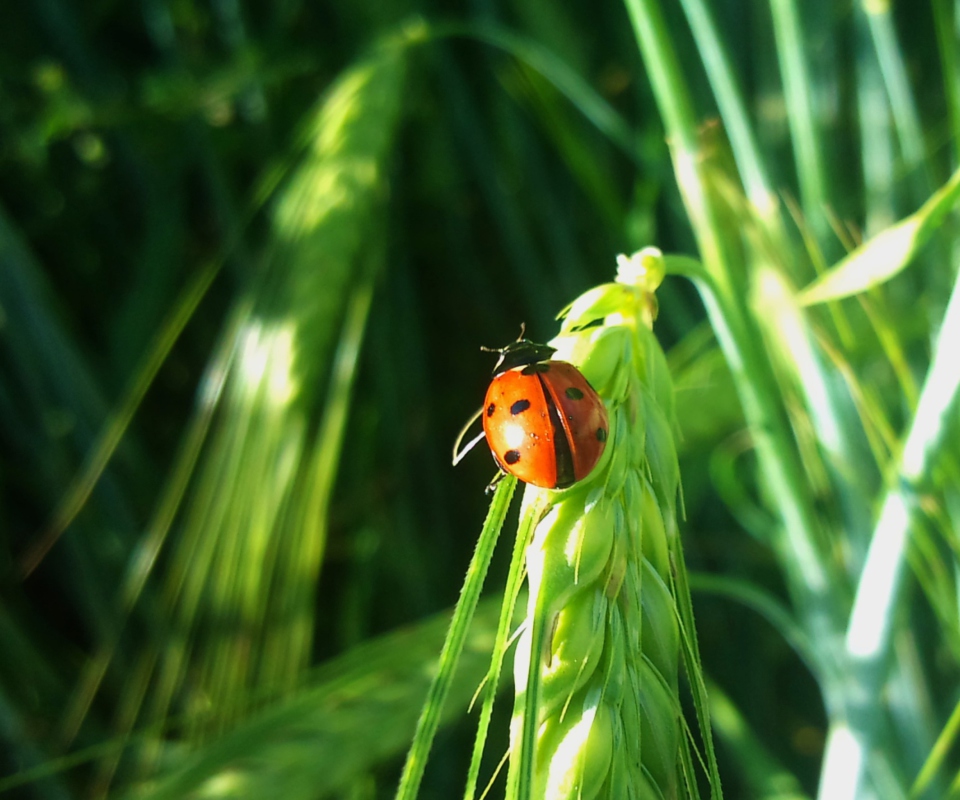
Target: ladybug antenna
<point>523,332</point>
<point>459,454</point>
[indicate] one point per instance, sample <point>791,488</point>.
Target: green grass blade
<point>877,136</point>
<point>886,254</point>
<point>797,82</point>
<point>764,604</point>
<point>511,593</point>
<point>558,72</point>
<point>110,436</point>
<point>453,645</point>
<point>938,754</point>
<point>807,567</point>
<point>148,550</point>
<point>833,420</point>
<point>693,665</point>
<point>338,728</point>
<point>945,23</point>
<point>870,628</point>
<point>733,111</point>
<point>902,105</point>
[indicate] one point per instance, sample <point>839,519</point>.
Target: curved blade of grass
<point>869,632</point>
<point>886,254</point>
<point>807,567</point>
<point>765,777</point>
<point>726,476</point>
<point>453,644</point>
<point>110,435</point>
<point>148,550</point>
<point>566,80</point>
<point>766,605</point>
<point>938,754</point>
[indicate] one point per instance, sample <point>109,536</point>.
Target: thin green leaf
<point>945,24</point>
<point>692,664</point>
<point>511,593</point>
<point>453,645</point>
<point>766,605</point>
<point>733,111</point>
<point>566,80</point>
<point>110,436</point>
<point>902,105</point>
<point>797,88</point>
<point>887,253</point>
<point>935,761</point>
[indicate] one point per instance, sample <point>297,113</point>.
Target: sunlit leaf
<point>886,254</point>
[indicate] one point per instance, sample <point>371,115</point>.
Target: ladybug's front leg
<point>495,482</point>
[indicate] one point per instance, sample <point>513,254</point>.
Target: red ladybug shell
<point>545,424</point>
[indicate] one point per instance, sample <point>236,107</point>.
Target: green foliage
<point>248,255</point>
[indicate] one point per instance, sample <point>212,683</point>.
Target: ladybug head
<point>519,354</point>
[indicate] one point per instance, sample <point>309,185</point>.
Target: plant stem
<point>817,588</point>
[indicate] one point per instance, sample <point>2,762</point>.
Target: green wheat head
<point>598,659</point>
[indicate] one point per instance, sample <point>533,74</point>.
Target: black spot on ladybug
<point>574,393</point>
<point>490,409</point>
<point>601,435</point>
<point>511,456</point>
<point>519,407</point>
<point>543,366</point>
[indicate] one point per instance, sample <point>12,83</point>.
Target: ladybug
<point>543,421</point>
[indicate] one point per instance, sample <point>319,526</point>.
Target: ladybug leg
<point>493,484</point>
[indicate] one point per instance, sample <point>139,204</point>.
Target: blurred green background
<point>249,253</point>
